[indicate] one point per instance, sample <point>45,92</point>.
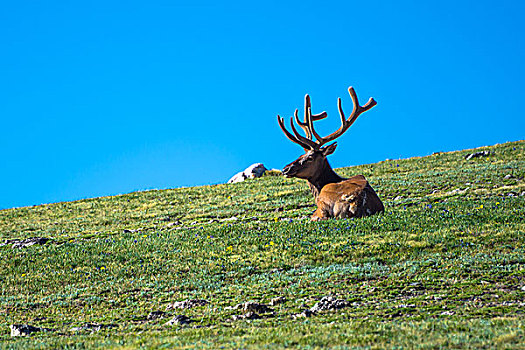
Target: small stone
<point>179,320</point>
<point>477,154</point>
<point>329,303</point>
<point>277,301</point>
<point>447,313</point>
<point>93,327</point>
<point>233,218</point>
<point>508,176</point>
<point>251,306</point>
<point>156,314</point>
<point>187,304</point>
<point>19,330</point>
<point>306,313</point>
<point>23,243</point>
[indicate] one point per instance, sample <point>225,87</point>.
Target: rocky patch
<point>23,243</point>
<point>252,306</point>
<point>92,327</point>
<point>156,315</point>
<point>187,304</point>
<point>477,154</point>
<point>329,303</point>
<point>305,314</point>
<point>251,310</point>
<point>277,301</point>
<point>20,330</point>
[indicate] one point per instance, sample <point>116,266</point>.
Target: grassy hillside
<point>444,266</point>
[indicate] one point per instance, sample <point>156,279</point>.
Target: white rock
<point>18,330</point>
<point>239,177</point>
<point>253,171</point>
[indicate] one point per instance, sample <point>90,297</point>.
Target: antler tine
<point>302,141</point>
<point>319,142</point>
<point>308,125</point>
<point>305,125</point>
<point>346,123</point>
<point>308,141</point>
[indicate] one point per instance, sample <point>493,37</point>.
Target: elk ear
<point>329,149</point>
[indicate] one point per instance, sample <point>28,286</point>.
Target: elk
<point>335,196</point>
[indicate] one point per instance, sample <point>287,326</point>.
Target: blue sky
<point>106,97</point>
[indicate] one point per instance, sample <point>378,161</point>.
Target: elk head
<point>313,165</point>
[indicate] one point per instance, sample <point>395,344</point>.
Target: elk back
<point>353,197</point>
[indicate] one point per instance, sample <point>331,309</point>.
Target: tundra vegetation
<point>442,267</point>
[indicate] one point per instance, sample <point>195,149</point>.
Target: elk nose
<point>288,170</point>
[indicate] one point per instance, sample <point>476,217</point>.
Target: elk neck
<point>325,176</point>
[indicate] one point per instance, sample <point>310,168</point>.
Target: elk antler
<point>308,125</point>
<point>305,142</point>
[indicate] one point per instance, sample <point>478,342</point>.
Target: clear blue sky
<point>106,97</point>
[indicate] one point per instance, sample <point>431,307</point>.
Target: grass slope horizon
<point>443,267</point>
<point>220,183</point>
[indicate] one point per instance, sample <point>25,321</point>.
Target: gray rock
<point>256,307</point>
<point>329,303</point>
<point>277,301</point>
<point>156,315</point>
<point>187,304</point>
<point>233,218</point>
<point>92,327</point>
<point>253,171</point>
<point>19,330</point>
<point>23,243</point>
<point>305,314</point>
<point>252,306</point>
<point>477,154</point>
<point>179,320</point>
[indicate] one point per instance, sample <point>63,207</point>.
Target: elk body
<point>336,197</point>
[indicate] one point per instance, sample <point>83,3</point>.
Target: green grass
<point>443,267</point>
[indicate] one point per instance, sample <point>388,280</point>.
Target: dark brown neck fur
<point>326,176</point>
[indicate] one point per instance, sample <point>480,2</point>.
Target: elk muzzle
<point>290,170</point>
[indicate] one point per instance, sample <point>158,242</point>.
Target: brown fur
<point>349,198</point>
<point>336,197</point>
